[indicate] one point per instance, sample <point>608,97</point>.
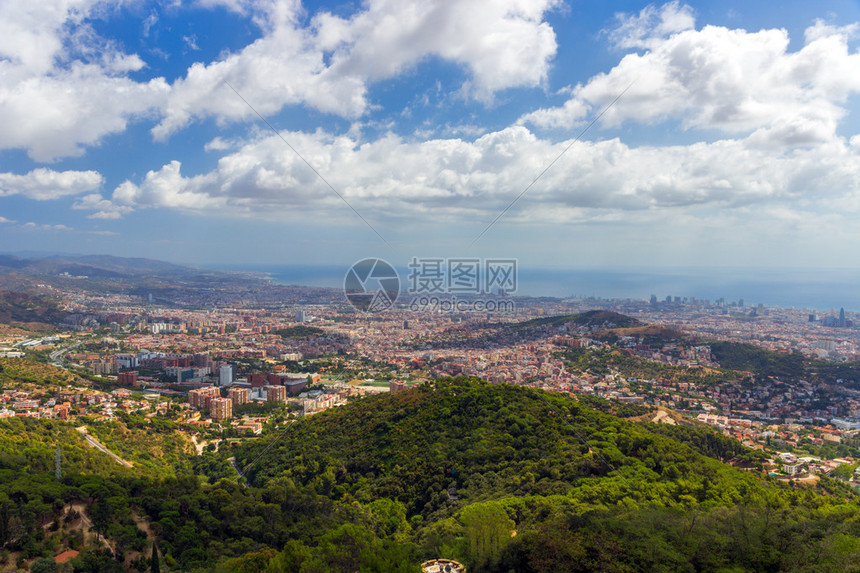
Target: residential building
<point>221,408</point>
<point>128,379</point>
<point>238,396</point>
<point>276,394</point>
<point>200,397</point>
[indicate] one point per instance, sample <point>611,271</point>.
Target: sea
<point>822,290</point>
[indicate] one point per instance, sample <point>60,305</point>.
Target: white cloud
<point>58,115</point>
<point>63,86</point>
<point>503,44</point>
<point>5,220</point>
<point>167,188</point>
<point>43,184</point>
<point>31,226</point>
<point>219,144</point>
<point>651,26</point>
<point>329,64</point>
<point>104,209</point>
<point>397,182</point>
<point>734,81</point>
<point>191,42</point>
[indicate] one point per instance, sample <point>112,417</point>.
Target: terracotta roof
<point>66,556</point>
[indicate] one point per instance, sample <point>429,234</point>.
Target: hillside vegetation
<point>601,319</point>
<point>28,311</point>
<point>792,366</point>
<point>27,374</point>
<point>502,478</point>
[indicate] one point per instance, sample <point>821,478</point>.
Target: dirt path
<point>200,446</point>
<point>84,524</point>
<point>99,446</point>
<point>664,417</point>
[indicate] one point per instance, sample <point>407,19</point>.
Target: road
<point>98,445</point>
<point>57,355</point>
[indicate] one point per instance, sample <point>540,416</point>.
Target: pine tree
<point>156,566</point>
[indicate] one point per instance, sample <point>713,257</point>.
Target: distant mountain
<point>106,273</point>
<point>91,265</point>
<point>165,283</point>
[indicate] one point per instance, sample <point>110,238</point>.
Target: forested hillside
<point>502,478</point>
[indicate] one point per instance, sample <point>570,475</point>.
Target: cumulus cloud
<point>456,180</point>
<point>44,184</point>
<point>64,87</point>
<point>103,208</point>
<point>734,81</point>
<point>503,44</point>
<point>329,64</point>
<point>60,115</point>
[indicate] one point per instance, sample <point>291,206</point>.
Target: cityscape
<point>312,357</point>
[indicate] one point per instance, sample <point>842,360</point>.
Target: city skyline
<point>129,130</point>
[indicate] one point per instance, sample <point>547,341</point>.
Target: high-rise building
<point>225,375</point>
<point>127,379</point>
<point>238,396</point>
<point>257,380</point>
<point>200,397</point>
<point>300,316</point>
<point>276,394</point>
<point>221,408</point>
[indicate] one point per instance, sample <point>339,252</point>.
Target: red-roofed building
<point>66,556</point>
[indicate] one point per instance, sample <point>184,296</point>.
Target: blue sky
<point>735,143</point>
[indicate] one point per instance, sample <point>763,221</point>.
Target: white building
<point>225,376</point>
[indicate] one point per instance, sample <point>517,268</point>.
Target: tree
<point>156,565</point>
<point>488,530</point>
<point>44,565</point>
<point>101,514</point>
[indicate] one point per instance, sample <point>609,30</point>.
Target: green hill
<point>549,468</point>
<point>792,366</point>
<point>601,319</point>
<point>489,441</point>
<point>502,478</point>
